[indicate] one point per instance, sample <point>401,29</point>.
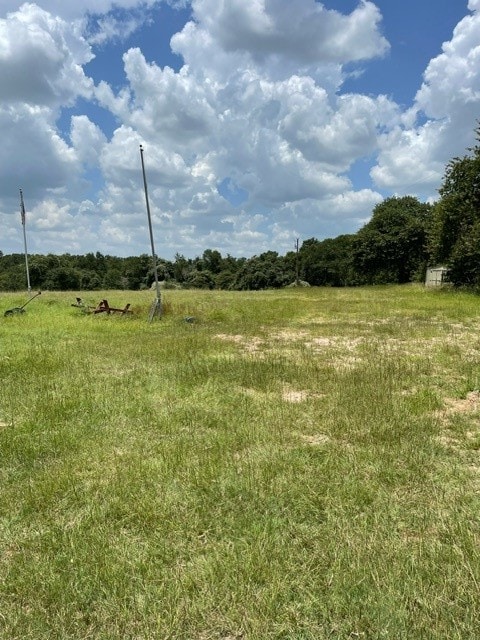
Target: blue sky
<point>262,120</point>
<point>415,32</point>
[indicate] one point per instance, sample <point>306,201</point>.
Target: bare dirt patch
<point>289,395</point>
<point>298,395</point>
<point>316,440</point>
<point>345,350</point>
<point>469,404</point>
<point>256,393</point>
<point>250,345</point>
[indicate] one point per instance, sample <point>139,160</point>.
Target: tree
<point>200,280</point>
<point>455,236</point>
<point>266,271</point>
<point>181,268</point>
<point>329,262</point>
<point>63,279</point>
<point>113,279</point>
<point>392,246</point>
<point>136,269</point>
<point>212,260</point>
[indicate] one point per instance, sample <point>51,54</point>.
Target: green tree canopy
<point>391,247</point>
<point>455,234</point>
<point>328,262</point>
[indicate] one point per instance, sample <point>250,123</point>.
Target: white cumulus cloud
<point>302,30</point>
<point>413,156</point>
<point>41,59</point>
<point>257,109</point>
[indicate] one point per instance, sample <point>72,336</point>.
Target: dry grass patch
<point>316,440</point>
<point>290,395</point>
<point>257,393</point>
<point>249,345</point>
<point>341,353</point>
<point>459,406</point>
<point>469,404</point>
<point>295,396</point>
<point>467,442</point>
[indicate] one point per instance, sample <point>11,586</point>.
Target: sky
<point>262,121</point>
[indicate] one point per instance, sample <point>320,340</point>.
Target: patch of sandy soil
<point>317,344</point>
<point>289,395</point>
<point>293,396</point>
<point>298,395</point>
<point>346,353</point>
<point>256,393</point>
<point>316,440</point>
<point>208,636</point>
<point>453,406</point>
<point>250,345</point>
<point>469,404</point>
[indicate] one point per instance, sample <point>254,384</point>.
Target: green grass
<point>296,464</point>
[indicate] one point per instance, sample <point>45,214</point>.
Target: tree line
<point>403,237</point>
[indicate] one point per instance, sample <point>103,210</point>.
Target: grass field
<point>296,464</point>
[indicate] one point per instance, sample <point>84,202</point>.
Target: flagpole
<point>157,304</point>
<point>22,213</point>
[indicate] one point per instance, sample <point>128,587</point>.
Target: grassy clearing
<point>293,465</point>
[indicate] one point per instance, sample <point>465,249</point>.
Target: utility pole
<point>22,213</point>
<point>156,309</point>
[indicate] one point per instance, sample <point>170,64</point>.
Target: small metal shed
<point>436,276</point>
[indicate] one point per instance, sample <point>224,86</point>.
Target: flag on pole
<point>22,208</point>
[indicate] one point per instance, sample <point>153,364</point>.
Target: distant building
<point>436,277</point>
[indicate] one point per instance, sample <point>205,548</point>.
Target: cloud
<point>410,160</point>
<point>111,27</point>
<point>55,222</point>
<point>41,71</point>
<point>258,104</point>
<point>32,153</point>
<point>41,59</point>
<point>452,80</point>
<point>334,132</point>
<point>412,157</point>
<point>120,162</point>
<point>87,139</point>
<point>300,30</point>
<point>327,217</point>
<point>173,104</point>
<point>278,141</point>
<point>300,37</point>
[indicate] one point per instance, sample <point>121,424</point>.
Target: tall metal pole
<point>22,213</point>
<point>157,304</point>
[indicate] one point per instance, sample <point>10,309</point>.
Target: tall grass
<point>297,464</point>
